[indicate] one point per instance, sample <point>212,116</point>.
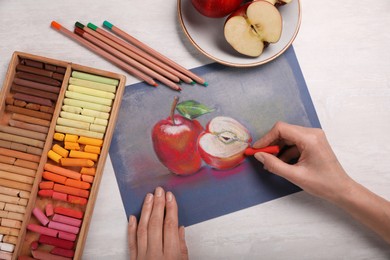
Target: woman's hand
<point>157,235</point>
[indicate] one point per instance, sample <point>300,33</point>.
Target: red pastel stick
<point>43,255</point>
<point>67,236</point>
<point>269,149</point>
<point>68,212</point>
<point>57,242</point>
<point>62,252</point>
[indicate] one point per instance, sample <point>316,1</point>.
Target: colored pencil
<point>126,58</point>
<point>140,53</point>
<point>153,52</point>
<point>129,53</point>
<point>104,54</point>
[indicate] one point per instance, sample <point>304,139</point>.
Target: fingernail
<point>132,220</point>
<point>159,191</point>
<point>260,157</point>
<point>169,196</point>
<point>149,197</point>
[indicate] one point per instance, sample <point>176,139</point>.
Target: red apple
<point>252,27</point>
<point>216,8</point>
<point>175,143</point>
<point>223,143</point>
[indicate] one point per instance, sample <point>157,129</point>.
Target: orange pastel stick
<point>92,149</point>
<point>81,162</point>
<point>45,193</point>
<point>77,200</point>
<point>87,178</point>
<point>71,190</point>
<point>78,184</point>
<point>83,155</point>
<point>60,196</point>
<point>71,146</point>
<point>89,171</point>
<point>62,171</point>
<point>53,177</point>
<point>46,185</point>
<point>91,141</point>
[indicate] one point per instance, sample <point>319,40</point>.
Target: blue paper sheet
<point>257,97</point>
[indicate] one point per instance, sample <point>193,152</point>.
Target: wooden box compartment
<point>30,116</point>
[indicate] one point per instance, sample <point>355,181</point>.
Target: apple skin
<point>216,8</point>
<point>226,161</point>
<point>176,145</point>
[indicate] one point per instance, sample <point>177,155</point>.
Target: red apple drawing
<point>223,143</point>
<point>216,8</point>
<point>251,28</point>
<point>175,142</point>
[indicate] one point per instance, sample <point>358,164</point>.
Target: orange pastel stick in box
<point>77,200</point>
<point>85,155</point>
<point>78,184</point>
<point>71,146</point>
<point>46,185</point>
<point>80,162</point>
<point>90,141</point>
<point>62,171</point>
<point>53,177</point>
<point>87,178</point>
<point>88,171</point>
<point>92,149</point>
<point>71,190</point>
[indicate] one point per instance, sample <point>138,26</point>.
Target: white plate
<point>206,34</point>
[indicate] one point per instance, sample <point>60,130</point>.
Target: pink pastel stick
<point>42,230</point>
<point>63,227</point>
<point>67,220</point>
<point>66,236</point>
<point>62,252</point>
<point>49,209</point>
<point>40,216</point>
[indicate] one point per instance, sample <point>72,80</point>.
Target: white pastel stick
<point>99,121</point>
<point>88,98</point>
<point>97,128</point>
<point>7,247</point>
<point>91,92</point>
<point>80,132</point>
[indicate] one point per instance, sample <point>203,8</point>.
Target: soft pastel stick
<point>31,120</point>
<point>28,112</point>
<point>88,98</point>
<point>88,170</point>
<point>77,162</point>
<point>9,231</point>
<point>67,220</point>
<point>97,128</point>
<point>11,223</point>
<point>95,78</point>
<point>63,227</point>
<point>26,164</point>
<point>15,184</point>
<point>99,121</point>
<point>46,185</point>
<point>94,113</point>
<point>53,178</point>
<point>7,247</point>
<point>77,117</point>
<point>71,138</point>
<point>17,169</point>
<point>91,84</point>
<point>59,136</point>
<point>81,132</point>
<point>72,109</point>
<point>71,190</point>
<point>92,149</point>
<point>36,85</point>
<point>91,92</point>
<point>40,216</point>
<point>49,210</point>
<point>33,99</point>
<point>85,104</point>
<point>62,252</point>
<point>60,196</point>
<point>71,146</point>
<point>90,141</point>
<point>60,150</point>
<point>20,155</point>
<point>44,255</point>
<point>78,184</point>
<point>42,230</point>
<point>14,208</point>
<point>8,256</point>
<point>84,155</point>
<point>62,171</point>
<point>68,212</point>
<point>45,193</point>
<point>67,236</point>
<point>73,123</point>
<point>54,156</point>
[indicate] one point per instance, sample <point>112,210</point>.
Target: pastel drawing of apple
<point>223,143</point>
<point>252,27</point>
<point>216,8</point>
<point>175,142</point>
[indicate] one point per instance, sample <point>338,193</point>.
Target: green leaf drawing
<point>192,109</point>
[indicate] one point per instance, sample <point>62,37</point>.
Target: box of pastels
<point>57,121</point>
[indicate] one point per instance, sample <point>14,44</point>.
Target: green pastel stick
<point>85,104</point>
<point>91,92</point>
<point>88,98</point>
<point>91,84</point>
<point>95,78</point>
<point>77,117</point>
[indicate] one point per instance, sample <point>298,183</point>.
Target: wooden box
<point>24,155</point>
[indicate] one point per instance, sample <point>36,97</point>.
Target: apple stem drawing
<point>173,108</point>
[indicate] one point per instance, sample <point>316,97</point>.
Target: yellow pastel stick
<point>95,78</point>
<point>85,104</point>
<point>72,109</point>
<point>80,132</point>
<point>71,138</point>
<point>60,150</point>
<point>97,128</point>
<point>93,85</point>
<point>93,113</point>
<point>91,92</point>
<point>54,156</point>
<point>88,119</point>
<point>73,123</point>
<point>59,137</point>
<point>90,141</point>
<point>88,98</point>
<point>99,121</point>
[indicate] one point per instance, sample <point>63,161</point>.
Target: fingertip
<point>132,221</point>
<point>169,196</point>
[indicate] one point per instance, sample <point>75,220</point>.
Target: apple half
<point>223,143</point>
<point>252,27</point>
